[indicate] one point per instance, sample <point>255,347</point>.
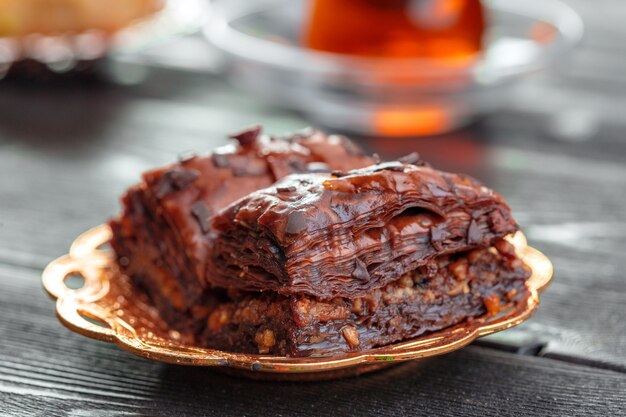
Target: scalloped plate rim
<point>85,258</point>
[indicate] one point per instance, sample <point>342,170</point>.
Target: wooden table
<point>558,154</point>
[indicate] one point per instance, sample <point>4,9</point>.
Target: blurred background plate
<point>63,52</point>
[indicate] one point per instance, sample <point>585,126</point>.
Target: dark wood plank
<point>510,385</point>
<point>47,370</point>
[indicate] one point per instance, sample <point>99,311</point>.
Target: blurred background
<point>528,96</point>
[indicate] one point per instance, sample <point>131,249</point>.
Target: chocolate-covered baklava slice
<point>329,235</point>
<point>161,237</point>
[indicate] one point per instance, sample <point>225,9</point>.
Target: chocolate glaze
<point>247,137</point>
<point>344,234</point>
<point>161,233</point>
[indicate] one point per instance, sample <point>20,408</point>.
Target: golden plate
<point>128,320</point>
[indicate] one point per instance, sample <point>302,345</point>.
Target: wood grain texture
<point>46,370</point>
<point>444,386</point>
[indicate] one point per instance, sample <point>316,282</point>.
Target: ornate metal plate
<point>127,319</point>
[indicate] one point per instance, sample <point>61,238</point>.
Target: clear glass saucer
<point>394,97</point>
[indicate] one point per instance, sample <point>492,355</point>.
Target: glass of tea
<point>449,30</point>
<point>389,67</point>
